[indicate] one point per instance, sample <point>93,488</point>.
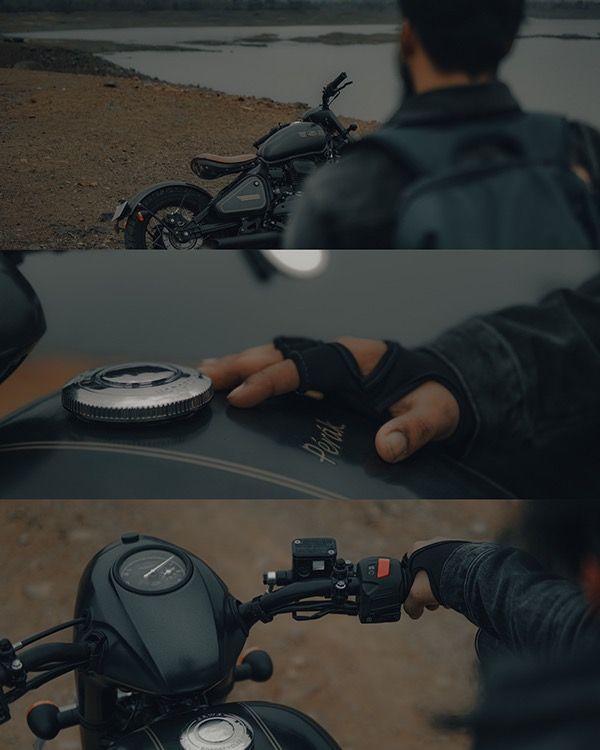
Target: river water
<point>555,65</point>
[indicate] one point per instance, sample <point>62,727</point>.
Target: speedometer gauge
<point>153,570</point>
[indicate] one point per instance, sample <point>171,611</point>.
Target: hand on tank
<point>428,414</point>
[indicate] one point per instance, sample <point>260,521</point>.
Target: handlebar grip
<point>340,79</point>
<point>43,657</point>
<point>336,82</point>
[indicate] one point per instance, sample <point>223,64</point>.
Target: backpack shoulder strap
<point>427,150</point>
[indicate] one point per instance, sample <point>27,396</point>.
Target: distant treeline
<point>70,6</point>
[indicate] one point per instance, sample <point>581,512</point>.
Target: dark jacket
<point>354,204</point>
<point>540,687</point>
<point>532,377</point>
<point>540,704</point>
<point>516,601</point>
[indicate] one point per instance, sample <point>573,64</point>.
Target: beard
<point>406,77</point>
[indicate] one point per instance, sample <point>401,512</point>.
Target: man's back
<point>355,203</point>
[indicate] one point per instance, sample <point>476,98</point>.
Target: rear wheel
<point>168,209</point>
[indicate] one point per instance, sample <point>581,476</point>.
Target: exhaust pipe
<point>259,241</point>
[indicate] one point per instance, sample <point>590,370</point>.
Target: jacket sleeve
<point>308,226</point>
<point>507,593</point>
<point>350,204</point>
<point>530,370</point>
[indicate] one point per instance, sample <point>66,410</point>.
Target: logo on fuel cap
<point>137,392</point>
<point>217,731</point>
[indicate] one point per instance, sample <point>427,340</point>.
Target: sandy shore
<point>74,145</point>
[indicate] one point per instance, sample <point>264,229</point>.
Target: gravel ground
<point>395,678</point>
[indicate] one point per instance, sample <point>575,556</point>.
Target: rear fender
<point>127,207</point>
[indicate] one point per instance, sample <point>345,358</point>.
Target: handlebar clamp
<point>12,671</point>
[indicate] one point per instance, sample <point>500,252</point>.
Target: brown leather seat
<point>213,166</point>
<point>229,160</point>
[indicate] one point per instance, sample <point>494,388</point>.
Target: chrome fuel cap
<point>221,731</point>
<point>137,392</point>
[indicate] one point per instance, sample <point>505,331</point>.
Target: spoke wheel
<point>162,224</point>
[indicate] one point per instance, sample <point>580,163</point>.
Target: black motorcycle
<point>252,211</point>
<point>157,644</point>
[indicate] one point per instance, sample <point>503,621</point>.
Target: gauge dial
<point>153,570</point>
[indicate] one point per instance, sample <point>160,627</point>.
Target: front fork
<point>97,703</point>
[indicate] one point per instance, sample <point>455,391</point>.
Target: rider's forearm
<point>507,593</point>
<point>530,371</point>
<point>306,228</point>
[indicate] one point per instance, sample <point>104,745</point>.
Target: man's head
<point>459,40</point>
<point>565,535</point>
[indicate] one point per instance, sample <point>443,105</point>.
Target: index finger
<point>276,380</point>
<point>227,372</point>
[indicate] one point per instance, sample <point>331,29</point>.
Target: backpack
<point>491,184</point>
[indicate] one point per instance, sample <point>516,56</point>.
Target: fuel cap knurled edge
<point>137,392</point>
<point>218,730</point>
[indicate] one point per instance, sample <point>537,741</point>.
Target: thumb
<point>429,413</point>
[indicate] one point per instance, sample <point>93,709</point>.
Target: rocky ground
<point>75,143</point>
<point>371,687</point>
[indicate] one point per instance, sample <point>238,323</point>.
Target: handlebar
<point>50,655</point>
<point>332,90</point>
<point>374,589</point>
<point>292,598</point>
<point>52,660</point>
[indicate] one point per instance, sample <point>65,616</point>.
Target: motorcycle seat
<point>228,160</point>
<point>210,166</point>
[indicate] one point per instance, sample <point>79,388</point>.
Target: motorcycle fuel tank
<point>166,616</point>
<point>162,305</point>
<point>234,726</point>
<point>297,139</point>
<point>292,447</point>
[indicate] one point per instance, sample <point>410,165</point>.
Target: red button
<point>383,568</point>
